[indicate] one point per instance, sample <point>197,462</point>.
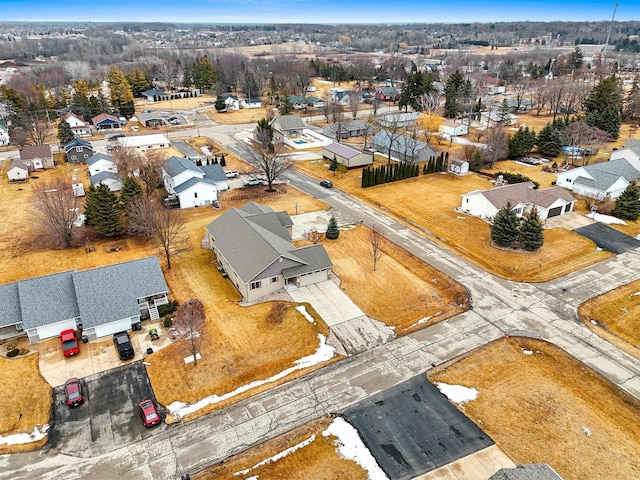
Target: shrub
<point>23,351</point>
<point>168,308</point>
<point>10,346</point>
<point>167,322</point>
<point>13,353</point>
<point>516,178</point>
<point>276,314</point>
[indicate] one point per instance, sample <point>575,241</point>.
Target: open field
<point>25,400</point>
<point>616,315</point>
<point>428,201</point>
<point>545,407</point>
<point>402,291</point>
<point>316,460</point>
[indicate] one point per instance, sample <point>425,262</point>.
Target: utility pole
<point>606,43</point>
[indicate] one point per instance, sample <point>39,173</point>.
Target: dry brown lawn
<point>177,104</point>
<point>25,400</point>
<point>317,460</point>
<point>616,314</point>
<point>533,172</point>
<point>402,291</point>
<point>428,201</point>
<point>535,407</point>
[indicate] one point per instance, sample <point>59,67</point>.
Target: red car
<point>149,413</point>
<point>70,344</point>
<point>73,392</point>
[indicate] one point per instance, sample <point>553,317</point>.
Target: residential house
<point>37,157</point>
<point>347,155</point>
<point>253,247</point>
<point>403,149</point>
<point>187,150</point>
<point>315,102</point>
<point>101,301</point>
<point>155,95</point>
<point>101,162</point>
<point>458,166</point>
<point>523,106</point>
<point>600,180</point>
<point>399,120</point>
<point>387,94</point>
<point>144,142</point>
<point>78,151</point>
<point>290,126</point>
<point>110,179</point>
<point>453,128</point>
<point>251,103</point>
<point>523,197</point>
<point>4,135</point>
<point>151,119</point>
<point>18,172</point>
<point>231,101</point>
<point>631,153</point>
<point>298,102</point>
<point>79,126</point>
<point>347,129</point>
<point>494,118</point>
<point>105,121</point>
<point>338,96</point>
<point>194,186</point>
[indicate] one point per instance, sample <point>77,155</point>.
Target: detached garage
<point>346,155</point>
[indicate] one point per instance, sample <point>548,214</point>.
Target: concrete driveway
<point>570,221</point>
<point>331,303</point>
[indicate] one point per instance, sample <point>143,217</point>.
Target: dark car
<point>69,342</point>
<point>326,184</point>
<point>149,413</point>
<point>73,392</point>
<point>123,343</point>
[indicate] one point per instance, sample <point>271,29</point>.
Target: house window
<point>195,194</point>
<point>274,279</point>
<point>78,149</point>
<point>255,285</point>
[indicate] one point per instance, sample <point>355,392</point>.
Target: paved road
<point>546,310</point>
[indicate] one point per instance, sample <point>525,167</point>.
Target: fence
<point>249,196</point>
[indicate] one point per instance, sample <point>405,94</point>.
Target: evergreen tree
<point>130,189</point>
<point>203,73</point>
<point>632,102</point>
<point>424,169</point>
<point>332,232</point>
<point>530,235</point>
<point>550,139</point>
<point>453,94</point>
<point>138,81</point>
<point>522,142</point>
<point>603,107</point>
<point>334,165</point>
<point>103,212</point>
<point>504,228</point>
<point>608,120</point>
<point>119,90</point>
<point>628,203</point>
<point>286,108</point>
<point>65,135</point>
<point>476,163</point>
<point>220,105</point>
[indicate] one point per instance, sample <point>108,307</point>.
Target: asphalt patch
<point>412,429</point>
<point>608,238</point>
<point>108,418</point>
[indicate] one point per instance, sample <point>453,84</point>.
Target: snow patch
<point>586,431</point>
<point>323,353</point>
<point>302,309</point>
<point>594,322</point>
<point>350,447</point>
<point>425,319</point>
<point>38,433</point>
<point>277,456</point>
<point>206,151</point>
<point>527,352</point>
<point>457,393</point>
<point>608,219</point>
<point>634,294</point>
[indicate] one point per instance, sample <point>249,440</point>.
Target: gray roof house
<point>290,126</point>
<point>102,300</point>
<point>37,157</point>
<point>253,246</point>
<point>347,155</point>
<point>348,129</point>
<point>110,179</point>
<point>78,151</point>
<point>403,149</point>
<point>187,151</point>
<point>193,185</point>
<point>600,180</point>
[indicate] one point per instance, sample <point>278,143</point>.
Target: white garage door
<point>113,327</point>
<point>54,329</point>
<point>310,278</point>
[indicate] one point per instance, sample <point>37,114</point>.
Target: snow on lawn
<point>635,294</point>
<point>425,319</point>
<point>17,438</point>
<point>457,393</point>
<point>527,352</point>
<point>350,446</point>
<point>323,353</point>
<point>305,314</point>
<point>608,219</point>
<point>278,456</point>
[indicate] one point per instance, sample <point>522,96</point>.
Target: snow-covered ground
<point>277,456</point>
<point>426,319</point>
<point>323,353</point>
<point>303,311</point>
<point>457,393</point>
<point>39,432</point>
<point>608,219</point>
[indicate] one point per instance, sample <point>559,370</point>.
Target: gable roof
<point>401,144</point>
<point>76,142</point>
<point>288,122</point>
<point>96,157</point>
<point>100,177</point>
<point>104,118</point>
<point>154,92</point>
<point>342,150</point>
<point>29,152</point>
<point>187,150</point>
<point>19,165</point>
<point>191,182</point>
<point>175,166</point>
<point>604,175</point>
<point>214,172</point>
<point>9,304</point>
<point>315,258</point>
<point>146,116</point>
<point>525,193</point>
<point>47,299</point>
<point>348,126</point>
<point>633,144</point>
<point>144,140</point>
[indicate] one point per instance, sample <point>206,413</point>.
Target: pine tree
<point>220,105</point>
<point>476,162</point>
<point>286,108</point>
<point>522,142</point>
<point>530,235</point>
<point>603,107</point>
<point>632,102</point>
<point>628,203</point>
<point>332,232</point>
<point>130,189</point>
<point>424,169</point>
<point>550,139</point>
<point>504,228</point>
<point>203,73</point>
<point>65,135</point>
<point>103,211</point>
<point>334,165</point>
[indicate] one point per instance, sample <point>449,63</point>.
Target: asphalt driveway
<point>412,429</point>
<point>609,238</point>
<point>108,419</point>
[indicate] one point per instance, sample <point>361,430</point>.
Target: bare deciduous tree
<point>147,216</point>
<point>56,207</point>
<point>128,160</point>
<point>496,144</point>
<point>377,241</point>
<point>354,103</point>
<point>37,132</point>
<point>272,161</point>
<point>188,321</point>
<point>313,235</point>
<point>150,171</point>
<point>77,69</point>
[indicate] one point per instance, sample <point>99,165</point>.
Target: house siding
<point>198,195</point>
<point>54,329</point>
<point>276,268</point>
<point>110,328</point>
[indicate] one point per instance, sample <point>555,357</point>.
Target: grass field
<point>403,289</point>
<point>25,400</point>
<point>429,202</point>
<point>616,315</point>
<point>537,406</point>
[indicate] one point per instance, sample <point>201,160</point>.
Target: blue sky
<point>316,11</point>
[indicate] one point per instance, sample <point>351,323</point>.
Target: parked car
<point>123,343</point>
<point>115,137</point>
<point>326,184</point>
<point>73,392</point>
<point>231,174</point>
<point>252,182</point>
<point>70,346</point>
<point>149,413</point>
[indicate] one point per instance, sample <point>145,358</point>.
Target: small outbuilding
<point>453,128</point>
<point>346,155</point>
<point>18,172</point>
<point>458,166</point>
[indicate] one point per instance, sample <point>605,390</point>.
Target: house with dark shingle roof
<point>289,126</point>
<point>194,185</point>
<point>37,157</point>
<point>347,129</point>
<point>78,151</point>
<point>600,180</point>
<point>523,197</point>
<point>403,148</point>
<point>102,300</point>
<point>253,246</point>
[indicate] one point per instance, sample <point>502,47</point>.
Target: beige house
<point>37,157</point>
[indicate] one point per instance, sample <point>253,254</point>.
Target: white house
<point>231,101</point>
<point>18,172</point>
<point>458,166</point>
<point>453,128</point>
<point>550,202</point>
<point>600,180</point>
<point>100,162</point>
<point>632,155</point>
<point>193,185</point>
<point>347,155</point>
<point>79,126</point>
<point>4,136</point>
<point>251,103</point>
<point>144,142</point>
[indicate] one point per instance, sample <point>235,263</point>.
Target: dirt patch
<point>541,406</point>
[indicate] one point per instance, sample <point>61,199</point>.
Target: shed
<point>459,167</point>
<point>18,172</point>
<point>347,155</point>
<point>453,128</point>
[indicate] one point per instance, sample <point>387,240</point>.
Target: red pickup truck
<point>69,342</point>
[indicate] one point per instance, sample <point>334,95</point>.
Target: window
<point>255,285</point>
<point>274,279</point>
<point>195,194</point>
<point>78,149</point>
